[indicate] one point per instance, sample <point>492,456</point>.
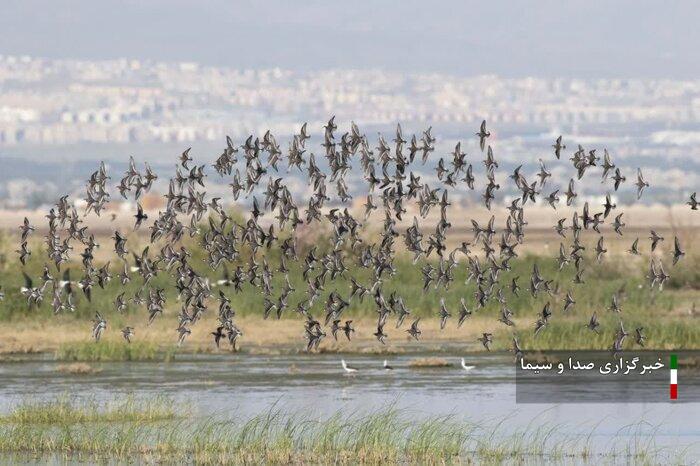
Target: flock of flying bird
<point>392,185</point>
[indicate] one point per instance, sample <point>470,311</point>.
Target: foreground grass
<point>65,411</point>
<point>387,436</point>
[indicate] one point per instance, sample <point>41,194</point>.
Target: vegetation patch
<point>113,351</point>
<point>77,368</point>
<point>421,363</point>
<point>66,411</point>
<point>151,432</point>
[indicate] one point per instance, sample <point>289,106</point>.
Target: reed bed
<point>66,411</point>
<point>387,436</point>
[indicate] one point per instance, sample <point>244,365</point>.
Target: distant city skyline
<point>83,81</point>
<point>54,102</point>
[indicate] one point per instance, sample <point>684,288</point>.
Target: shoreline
<point>260,336</point>
<point>286,336</point>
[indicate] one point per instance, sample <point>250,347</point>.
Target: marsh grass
<point>431,362</point>
<point>67,411</point>
<point>602,279</point>
<point>569,334</point>
<point>151,431</point>
<point>113,351</point>
<point>685,274</point>
<point>77,368</point>
<point>618,273</point>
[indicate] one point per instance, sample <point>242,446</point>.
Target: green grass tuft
<point>65,411</point>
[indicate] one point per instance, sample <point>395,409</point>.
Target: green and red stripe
<point>674,376</point>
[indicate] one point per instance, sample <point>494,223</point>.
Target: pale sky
<point>580,38</point>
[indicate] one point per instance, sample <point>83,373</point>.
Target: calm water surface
<point>244,385</point>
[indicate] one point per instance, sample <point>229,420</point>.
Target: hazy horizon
<point>579,39</point>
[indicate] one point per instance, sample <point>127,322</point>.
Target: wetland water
<point>243,385</point>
